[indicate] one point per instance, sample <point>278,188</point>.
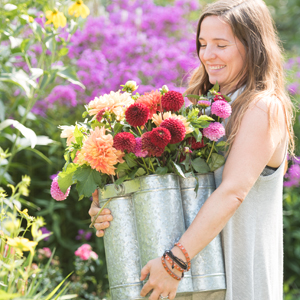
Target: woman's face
<point>221,53</point>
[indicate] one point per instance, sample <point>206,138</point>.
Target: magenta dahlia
<point>160,137</point>
<point>147,145</point>
<point>172,101</point>
<point>56,192</point>
<point>138,151</point>
<point>196,145</point>
<point>124,141</point>
<point>221,109</point>
<point>137,114</point>
<point>176,128</point>
<point>204,103</point>
<point>214,131</point>
<point>219,97</point>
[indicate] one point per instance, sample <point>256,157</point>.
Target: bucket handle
<point>119,188</point>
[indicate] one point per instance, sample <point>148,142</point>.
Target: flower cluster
<point>85,252</point>
<point>133,135</point>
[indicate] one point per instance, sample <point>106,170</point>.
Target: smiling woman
<point>238,48</point>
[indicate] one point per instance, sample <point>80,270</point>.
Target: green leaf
<point>27,132</point>
<point>87,180</point>
<point>118,128</point>
<point>63,52</point>
<point>41,155</point>
<point>222,144</point>
<point>205,118</point>
<point>4,295</point>
<point>70,74</point>
<point>65,178</point>
<point>78,135</point>
<point>140,172</point>
<point>161,170</point>
<point>228,99</point>
<point>121,179</point>
<point>178,170</point>
<point>216,87</point>
<point>200,166</point>
<point>197,135</point>
<point>130,161</point>
<point>56,289</point>
<point>122,167</point>
<point>216,161</point>
<point>193,96</point>
<point>2,111</point>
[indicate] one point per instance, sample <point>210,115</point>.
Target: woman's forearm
<point>210,220</point>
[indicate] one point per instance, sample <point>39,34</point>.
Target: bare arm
<point>252,150</point>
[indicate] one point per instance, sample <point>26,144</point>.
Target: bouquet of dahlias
<point>129,135</point>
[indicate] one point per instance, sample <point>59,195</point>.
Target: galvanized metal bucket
<point>150,214</point>
<point>207,266</point>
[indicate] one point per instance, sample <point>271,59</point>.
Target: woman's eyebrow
<point>216,39</point>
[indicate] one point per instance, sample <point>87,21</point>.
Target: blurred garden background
<point>48,72</point>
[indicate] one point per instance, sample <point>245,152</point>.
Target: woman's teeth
<point>216,67</point>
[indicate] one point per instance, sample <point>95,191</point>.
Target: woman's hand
<point>105,216</point>
<point>159,281</point>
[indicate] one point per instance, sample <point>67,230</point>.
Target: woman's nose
<point>208,53</point>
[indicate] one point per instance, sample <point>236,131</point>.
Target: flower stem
<point>210,152</point>
<point>150,163</point>
<point>95,218</point>
<point>145,165</point>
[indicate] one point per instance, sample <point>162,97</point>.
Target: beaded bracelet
<point>188,260</point>
<point>169,271</point>
<point>173,264</point>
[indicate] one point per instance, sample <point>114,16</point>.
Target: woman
<point>238,48</point>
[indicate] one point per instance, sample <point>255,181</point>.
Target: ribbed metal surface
<point>122,250</point>
<point>207,266</point>
<point>150,214</point>
<point>159,219</point>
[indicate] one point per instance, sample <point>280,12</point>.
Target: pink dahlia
<point>124,141</point>
<point>138,151</point>
<point>172,101</point>
<point>214,131</point>
<point>56,193</point>
<point>100,115</point>
<point>85,252</point>
<point>219,97</point>
<point>176,128</point>
<point>160,137</point>
<point>204,103</point>
<point>152,101</point>
<point>221,109</point>
<point>147,145</point>
<point>137,114</point>
<point>196,145</point>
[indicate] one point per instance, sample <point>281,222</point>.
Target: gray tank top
<point>252,242</point>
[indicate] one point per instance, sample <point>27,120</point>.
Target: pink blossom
<point>204,103</point>
<point>56,193</point>
<point>221,109</point>
<point>85,252</point>
<point>214,131</point>
<point>138,148</point>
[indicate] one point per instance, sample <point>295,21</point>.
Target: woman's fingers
<point>102,225</point>
<point>94,211</point>
<point>100,233</point>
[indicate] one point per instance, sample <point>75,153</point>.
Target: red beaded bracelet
<point>173,263</point>
<point>169,271</point>
<point>188,260</point>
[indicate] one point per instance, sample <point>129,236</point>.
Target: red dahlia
<point>147,145</point>
<point>137,114</point>
<point>124,141</point>
<point>196,145</point>
<point>176,128</point>
<point>172,101</point>
<point>220,97</point>
<point>160,137</point>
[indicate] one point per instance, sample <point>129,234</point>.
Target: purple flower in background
<point>45,231</point>
<point>62,95</point>
<point>83,235</point>
<point>293,88</point>
<point>293,174</point>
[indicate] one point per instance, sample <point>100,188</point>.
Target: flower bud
<point>164,89</point>
<point>130,86</point>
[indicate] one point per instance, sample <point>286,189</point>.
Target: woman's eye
<point>219,46</point>
<point>202,46</point>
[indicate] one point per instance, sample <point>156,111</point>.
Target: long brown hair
<point>251,23</point>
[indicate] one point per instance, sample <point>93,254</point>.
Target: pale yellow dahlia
<point>157,120</point>
<point>99,153</point>
<point>114,102</point>
<point>79,9</point>
<point>68,133</point>
<point>21,244</point>
<point>56,17</point>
